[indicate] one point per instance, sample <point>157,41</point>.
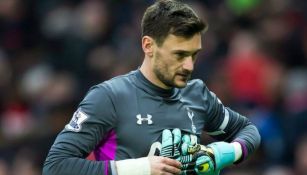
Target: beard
<point>163,73</point>
<point>170,81</point>
<point>164,77</point>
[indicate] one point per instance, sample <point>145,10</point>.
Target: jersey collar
<point>146,85</point>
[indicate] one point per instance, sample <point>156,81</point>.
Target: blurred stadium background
<point>52,51</point>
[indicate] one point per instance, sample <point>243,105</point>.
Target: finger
<point>186,139</point>
<point>171,169</point>
<point>193,139</point>
<point>172,162</point>
<point>155,149</point>
<point>186,158</point>
<point>167,143</point>
<point>167,173</point>
<point>185,144</point>
<point>177,138</point>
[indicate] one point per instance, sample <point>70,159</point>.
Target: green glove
<point>222,154</point>
<point>196,163</point>
<point>201,160</point>
<point>194,157</point>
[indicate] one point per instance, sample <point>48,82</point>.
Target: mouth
<point>183,75</point>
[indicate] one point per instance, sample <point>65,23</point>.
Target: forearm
<point>61,164</point>
<point>80,166</point>
<point>68,156</point>
<point>239,129</point>
<point>249,140</point>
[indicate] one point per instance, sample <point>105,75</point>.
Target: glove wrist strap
<point>238,150</point>
<point>224,154</point>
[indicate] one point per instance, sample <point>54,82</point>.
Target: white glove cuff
<point>139,166</point>
<point>238,150</point>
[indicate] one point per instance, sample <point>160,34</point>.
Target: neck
<point>147,71</point>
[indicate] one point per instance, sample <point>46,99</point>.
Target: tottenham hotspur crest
<point>75,123</point>
<point>191,115</point>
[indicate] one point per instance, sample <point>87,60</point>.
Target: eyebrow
<point>186,52</point>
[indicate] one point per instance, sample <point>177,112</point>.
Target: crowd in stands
<point>254,58</point>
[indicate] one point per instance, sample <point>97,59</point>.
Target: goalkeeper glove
<point>171,141</point>
<point>195,158</point>
<point>202,160</point>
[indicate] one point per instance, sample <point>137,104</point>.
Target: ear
<point>148,45</point>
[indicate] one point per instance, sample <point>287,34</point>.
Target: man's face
<point>173,61</point>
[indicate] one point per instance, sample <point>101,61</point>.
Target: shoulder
<point>195,88</point>
<point>195,84</point>
<point>115,85</point>
<point>121,79</point>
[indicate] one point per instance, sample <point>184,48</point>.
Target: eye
<point>180,56</point>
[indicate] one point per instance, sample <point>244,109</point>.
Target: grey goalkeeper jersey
<point>121,118</point>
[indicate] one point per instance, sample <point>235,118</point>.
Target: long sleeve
<point>228,125</point>
<point>94,118</point>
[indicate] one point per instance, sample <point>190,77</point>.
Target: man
<point>123,119</point>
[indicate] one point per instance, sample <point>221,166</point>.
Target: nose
<point>188,64</point>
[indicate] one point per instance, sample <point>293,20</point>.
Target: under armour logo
<point>191,115</point>
<point>140,119</point>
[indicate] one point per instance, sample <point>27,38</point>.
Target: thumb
<point>167,143</point>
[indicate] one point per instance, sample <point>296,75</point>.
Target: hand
<point>195,158</point>
<point>209,160</point>
<point>163,165</point>
<point>169,151</point>
<point>200,164</point>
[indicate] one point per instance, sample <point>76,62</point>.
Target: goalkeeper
<point>121,120</point>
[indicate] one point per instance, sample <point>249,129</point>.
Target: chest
<point>142,120</point>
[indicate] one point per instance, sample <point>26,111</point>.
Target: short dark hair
<point>166,17</point>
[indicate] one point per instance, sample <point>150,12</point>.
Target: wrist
<point>138,166</point>
<point>224,154</point>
